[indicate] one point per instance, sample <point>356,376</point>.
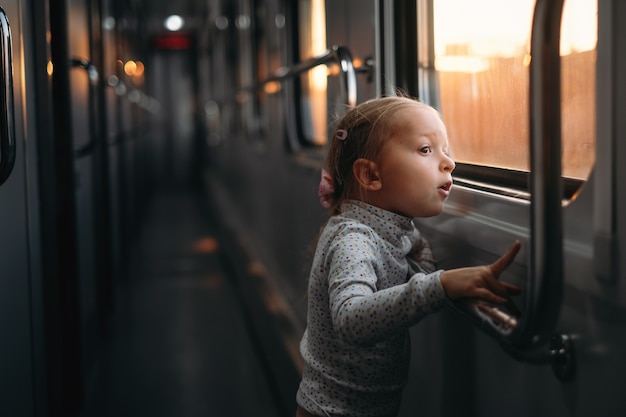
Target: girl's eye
<point>425,149</point>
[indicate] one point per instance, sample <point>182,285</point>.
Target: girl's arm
<point>364,314</point>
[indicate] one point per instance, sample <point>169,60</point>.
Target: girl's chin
<point>426,213</point>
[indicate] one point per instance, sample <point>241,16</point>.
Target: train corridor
<point>181,344</point>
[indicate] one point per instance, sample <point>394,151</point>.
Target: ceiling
<point>152,13</point>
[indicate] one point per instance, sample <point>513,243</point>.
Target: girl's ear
<point>367,175</point>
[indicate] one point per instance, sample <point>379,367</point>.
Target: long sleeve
<point>370,297</point>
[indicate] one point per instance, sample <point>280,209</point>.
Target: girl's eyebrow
<point>430,135</point>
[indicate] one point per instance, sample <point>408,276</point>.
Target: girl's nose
<point>447,164</point>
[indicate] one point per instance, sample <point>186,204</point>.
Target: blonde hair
<point>367,127</point>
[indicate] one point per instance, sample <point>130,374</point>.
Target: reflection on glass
<point>312,30</point>
<point>482,53</point>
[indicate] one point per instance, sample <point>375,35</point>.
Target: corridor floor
<point>180,344</point>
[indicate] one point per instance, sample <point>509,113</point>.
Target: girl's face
<point>415,166</point>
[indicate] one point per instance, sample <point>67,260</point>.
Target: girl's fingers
<point>512,289</point>
<point>490,296</point>
<point>505,260</point>
<point>505,289</point>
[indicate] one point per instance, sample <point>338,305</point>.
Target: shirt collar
<point>393,227</point>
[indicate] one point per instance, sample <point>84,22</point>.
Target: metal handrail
<point>545,284</point>
<point>92,73</point>
<point>337,54</point>
<point>531,336</point>
<point>7,131</point>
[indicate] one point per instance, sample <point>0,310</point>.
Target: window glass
<point>579,35</point>
<point>312,42</point>
<point>482,53</point>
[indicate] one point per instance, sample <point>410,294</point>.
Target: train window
<point>481,57</point>
<point>312,42</point>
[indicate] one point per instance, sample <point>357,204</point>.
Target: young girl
<point>372,275</point>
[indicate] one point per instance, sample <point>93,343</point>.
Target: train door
<point>17,347</point>
<point>41,356</point>
<point>86,131</point>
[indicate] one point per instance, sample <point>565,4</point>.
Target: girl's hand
<point>481,281</point>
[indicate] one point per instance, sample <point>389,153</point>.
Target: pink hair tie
<point>325,190</point>
<point>341,134</point>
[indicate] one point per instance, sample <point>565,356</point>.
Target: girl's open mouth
<point>445,188</point>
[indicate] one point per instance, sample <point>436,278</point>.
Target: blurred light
<point>527,59</point>
<point>130,67</point>
<point>242,22</point>
<point>174,23</point>
<point>113,81</point>
<point>206,244</point>
<point>221,23</point>
<point>333,70</point>
<point>108,23</point>
<point>134,96</point>
<point>272,87</point>
<point>139,69</point>
<point>211,108</point>
<point>173,41</point>
<point>50,68</point>
<point>279,21</point>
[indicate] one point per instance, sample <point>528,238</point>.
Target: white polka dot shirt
<point>364,293</point>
